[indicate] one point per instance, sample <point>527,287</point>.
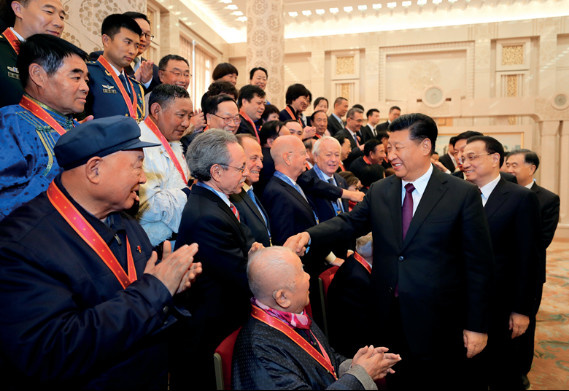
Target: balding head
<point>289,155</point>
<point>277,279</point>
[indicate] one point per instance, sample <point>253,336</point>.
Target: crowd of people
<point>137,233</point>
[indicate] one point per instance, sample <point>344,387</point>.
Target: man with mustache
<point>112,91</point>
<point>54,76</point>
<point>86,301</point>
<point>164,195</point>
<point>29,17</point>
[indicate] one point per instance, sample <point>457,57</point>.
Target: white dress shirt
<point>162,199</point>
<point>488,188</point>
<point>420,186</point>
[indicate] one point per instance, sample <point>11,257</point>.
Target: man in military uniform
<point>53,93</point>
<point>29,17</point>
<point>111,91</point>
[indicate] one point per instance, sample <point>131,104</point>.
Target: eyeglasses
<point>472,157</point>
<point>228,120</point>
<point>186,75</point>
<point>240,169</point>
<point>147,36</point>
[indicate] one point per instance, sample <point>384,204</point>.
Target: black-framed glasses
<point>147,36</point>
<point>240,169</point>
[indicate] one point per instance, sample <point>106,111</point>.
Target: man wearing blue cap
<point>54,76</point>
<point>85,302</point>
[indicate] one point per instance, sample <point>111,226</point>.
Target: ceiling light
<point>452,1</point>
<point>421,2</point>
<point>320,11</point>
<point>231,7</point>
<point>237,13</point>
<point>306,12</point>
<point>376,6</point>
<point>334,10</point>
<point>362,7</point>
<point>242,19</point>
<point>294,14</point>
<point>225,1</point>
<point>406,3</point>
<point>392,4</point>
<point>437,1</point>
<point>348,9</point>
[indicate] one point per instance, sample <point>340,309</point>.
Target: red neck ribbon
<point>362,262</point>
<point>40,113</point>
<point>166,146</point>
<point>12,39</point>
<point>130,104</point>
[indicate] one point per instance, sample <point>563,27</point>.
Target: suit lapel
<point>394,202</point>
<point>496,199</point>
<point>433,192</point>
<point>297,195</point>
<point>251,205</point>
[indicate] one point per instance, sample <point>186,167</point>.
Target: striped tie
<point>235,211</point>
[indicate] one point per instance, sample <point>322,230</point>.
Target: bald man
<point>263,352</point>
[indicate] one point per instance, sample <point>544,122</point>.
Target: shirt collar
<point>221,195</point>
<point>282,176</point>
<point>321,173</point>
<point>17,35</point>
<point>420,183</point>
<point>338,118</point>
<point>530,185</point>
<point>246,187</point>
<point>488,188</point>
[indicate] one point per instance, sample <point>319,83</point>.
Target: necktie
<point>122,78</point>
<point>234,210</point>
<point>407,208</point>
<point>251,194</point>
<point>337,205</point>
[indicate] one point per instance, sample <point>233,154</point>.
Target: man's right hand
<point>298,243</point>
<point>376,361</point>
<point>353,195</point>
<point>176,271</point>
<point>198,120</point>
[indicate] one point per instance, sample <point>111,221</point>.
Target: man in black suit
<point>432,259</point>
<point>368,168</point>
<point>209,219</point>
<point>369,131</point>
<point>354,121</point>
<point>251,104</point>
<point>448,159</point>
<point>335,122</point>
<point>349,301</point>
<point>523,164</point>
<point>250,208</point>
<point>513,217</point>
<point>394,113</point>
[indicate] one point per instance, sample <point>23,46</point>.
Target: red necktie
<point>235,211</point>
<point>407,208</point>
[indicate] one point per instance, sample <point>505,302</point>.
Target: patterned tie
<point>235,211</point>
<point>338,205</point>
<point>407,208</point>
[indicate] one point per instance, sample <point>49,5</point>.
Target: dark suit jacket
<point>324,208</point>
<point>366,133</point>
<point>224,244</point>
<point>356,151</point>
<point>246,128</point>
<point>367,173</point>
<point>442,269</point>
<point>333,125</point>
<point>447,162</point>
<point>512,212</point>
<point>251,217</point>
<point>505,176</point>
<point>382,126</point>
<point>549,207</point>
<point>350,324</point>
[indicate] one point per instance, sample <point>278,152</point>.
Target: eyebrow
<point>54,8</point>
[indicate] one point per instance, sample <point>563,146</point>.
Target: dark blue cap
<point>98,137</point>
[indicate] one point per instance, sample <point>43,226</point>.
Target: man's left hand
<point>518,324</point>
<point>144,72</point>
<point>474,342</point>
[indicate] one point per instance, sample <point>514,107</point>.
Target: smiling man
<point>165,193</point>
<point>251,103</point>
<point>112,92</point>
<point>54,76</point>
<point>432,258</point>
<point>29,17</point>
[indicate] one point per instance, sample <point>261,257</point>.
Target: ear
<point>37,74</point>
<point>286,158</point>
<point>92,169</point>
<point>155,109</point>
<point>160,74</point>
<point>281,298</point>
<point>215,172</point>
<point>106,40</point>
<point>426,145</point>
<point>496,158</point>
<point>17,8</point>
<point>532,169</point>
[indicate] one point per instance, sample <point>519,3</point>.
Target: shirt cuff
<point>146,85</point>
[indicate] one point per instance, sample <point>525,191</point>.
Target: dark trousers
<point>524,344</point>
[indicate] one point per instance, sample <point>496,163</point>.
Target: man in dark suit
<point>394,113</point>
<point>251,103</point>
<point>349,301</point>
<point>209,219</point>
<point>369,131</point>
<point>354,121</point>
<point>335,122</point>
<point>448,159</point>
<point>368,168</point>
<point>523,164</point>
<point>513,217</point>
<point>432,259</point>
<point>250,208</point>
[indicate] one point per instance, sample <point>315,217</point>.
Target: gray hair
<point>207,149</point>
<point>364,245</point>
<point>269,261</point>
<point>318,143</point>
<point>352,111</point>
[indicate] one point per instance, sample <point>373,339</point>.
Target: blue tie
<point>122,78</point>
<point>254,199</point>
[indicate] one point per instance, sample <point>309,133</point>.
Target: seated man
<point>85,302</point>
<point>350,298</point>
<point>165,193</point>
<point>280,348</point>
<point>54,76</point>
<point>368,168</point>
<point>219,302</point>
